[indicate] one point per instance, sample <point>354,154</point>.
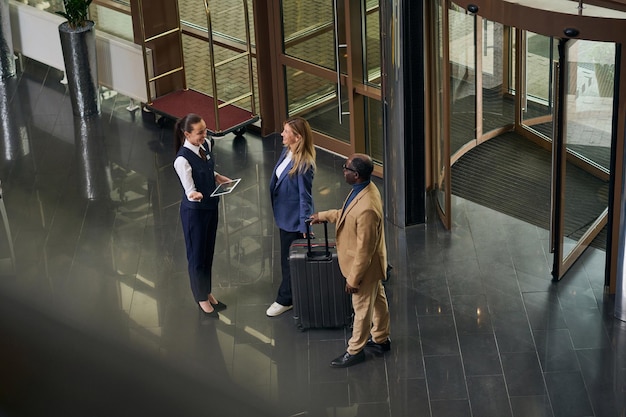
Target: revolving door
<point>504,74</point>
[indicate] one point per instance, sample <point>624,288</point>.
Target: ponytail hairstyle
<point>184,124</point>
<point>304,153</point>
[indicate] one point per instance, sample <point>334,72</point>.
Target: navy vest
<point>203,174</point>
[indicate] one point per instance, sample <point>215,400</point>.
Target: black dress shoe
<point>213,314</point>
<point>378,347</point>
<point>219,306</point>
<point>346,360</point>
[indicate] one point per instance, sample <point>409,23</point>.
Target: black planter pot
<point>13,130</point>
<point>79,54</point>
<point>94,173</point>
<point>7,59</point>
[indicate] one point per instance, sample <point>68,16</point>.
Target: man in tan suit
<point>362,259</point>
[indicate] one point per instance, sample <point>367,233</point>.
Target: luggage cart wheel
<point>240,131</point>
<point>147,116</point>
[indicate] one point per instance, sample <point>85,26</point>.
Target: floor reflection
<point>98,319</point>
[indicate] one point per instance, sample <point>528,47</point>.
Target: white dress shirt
<point>280,168</point>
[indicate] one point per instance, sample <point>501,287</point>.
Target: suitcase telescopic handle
<point>310,252</point>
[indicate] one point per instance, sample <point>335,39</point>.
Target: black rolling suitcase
<point>318,288</point>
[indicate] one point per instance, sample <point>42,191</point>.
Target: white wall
<point>120,62</point>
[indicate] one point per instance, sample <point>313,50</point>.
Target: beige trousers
<point>371,316</point>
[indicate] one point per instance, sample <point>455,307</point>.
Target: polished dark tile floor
<point>98,319</point>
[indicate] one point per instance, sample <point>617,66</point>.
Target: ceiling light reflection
<point>257,334</point>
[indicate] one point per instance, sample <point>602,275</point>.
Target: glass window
<point>231,78</point>
<point>112,21</point>
<point>308,31</point>
<point>227,19</point>
<point>372,44</point>
<point>315,99</point>
<point>374,129</point>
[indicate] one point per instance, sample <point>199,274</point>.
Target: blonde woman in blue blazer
<point>292,200</point>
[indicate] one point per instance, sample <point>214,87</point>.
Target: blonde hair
<point>304,152</point>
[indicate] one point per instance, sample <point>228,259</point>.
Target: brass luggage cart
<point>168,95</point>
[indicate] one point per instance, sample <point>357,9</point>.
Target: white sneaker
<point>277,309</point>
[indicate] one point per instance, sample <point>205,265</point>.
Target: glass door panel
<point>498,103</point>
<point>312,34</point>
<point>584,153</point>
<point>462,78</point>
<point>537,102</point>
<point>308,31</point>
<point>330,57</point>
<point>590,101</point>
<point>372,43</point>
<point>374,129</point>
<point>315,99</point>
<point>439,92</point>
<point>371,78</point>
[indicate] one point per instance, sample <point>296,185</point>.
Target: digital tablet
<point>226,187</point>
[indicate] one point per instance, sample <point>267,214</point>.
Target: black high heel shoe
<point>219,306</point>
<point>213,314</point>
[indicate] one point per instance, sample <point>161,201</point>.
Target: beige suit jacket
<point>360,237</point>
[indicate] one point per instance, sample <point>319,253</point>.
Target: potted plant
<point>78,42</point>
<point>76,12</point>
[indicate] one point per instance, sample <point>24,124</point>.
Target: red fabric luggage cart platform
<point>180,103</point>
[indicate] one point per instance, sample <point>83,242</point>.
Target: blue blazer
<point>292,200</point>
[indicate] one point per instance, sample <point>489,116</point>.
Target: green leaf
<point>76,12</point>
